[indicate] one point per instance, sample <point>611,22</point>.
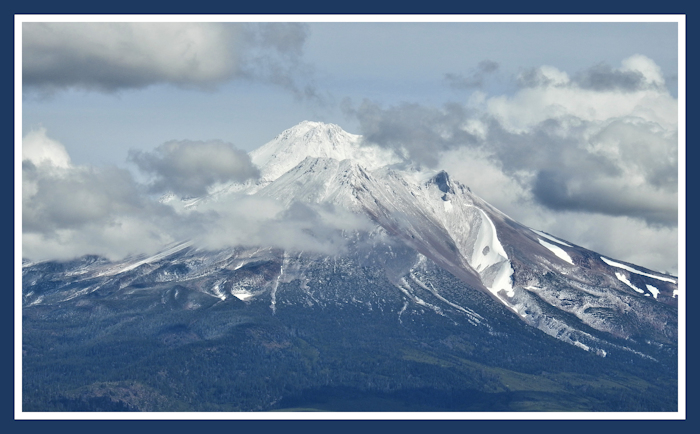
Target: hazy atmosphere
<point>570,128</point>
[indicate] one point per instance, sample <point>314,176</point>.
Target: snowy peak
<point>315,140</point>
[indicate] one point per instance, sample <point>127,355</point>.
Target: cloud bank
<point>604,142</point>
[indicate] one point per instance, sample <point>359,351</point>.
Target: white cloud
<point>650,70</point>
<point>40,150</point>
<point>609,148</point>
<point>562,99</point>
<point>480,172</point>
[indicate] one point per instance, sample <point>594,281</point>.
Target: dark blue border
<point>206,7</point>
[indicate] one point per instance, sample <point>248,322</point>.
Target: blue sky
<point>576,124</point>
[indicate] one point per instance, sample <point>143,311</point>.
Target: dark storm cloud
<point>188,168</point>
<point>109,57</point>
<point>475,79</point>
<point>548,144</point>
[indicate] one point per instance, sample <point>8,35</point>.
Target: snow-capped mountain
<point>431,250</point>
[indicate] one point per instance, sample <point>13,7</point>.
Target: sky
<point>568,127</point>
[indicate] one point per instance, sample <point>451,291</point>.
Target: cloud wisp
<point>475,79</point>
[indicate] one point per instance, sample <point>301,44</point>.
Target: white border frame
<point>679,415</point>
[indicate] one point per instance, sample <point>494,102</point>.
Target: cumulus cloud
<point>188,168</point>
<point>39,149</point>
<point>602,144</point>
<point>109,57</point>
<point>69,210</point>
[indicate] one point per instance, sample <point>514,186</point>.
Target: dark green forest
<point>152,351</point>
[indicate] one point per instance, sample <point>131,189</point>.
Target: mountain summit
<point>425,281</point>
<point>316,140</point>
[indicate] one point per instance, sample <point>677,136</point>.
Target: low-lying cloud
<point>70,211</point>
<point>258,221</point>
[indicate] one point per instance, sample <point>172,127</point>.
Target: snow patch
<point>406,289</point>
<point>621,277</point>
<point>675,293</point>
<point>653,290</point>
<point>582,346</point>
<point>557,251</point>
<point>625,267</point>
<point>242,295</point>
<point>551,238</point>
<point>448,205</point>
<point>218,293</point>
<point>38,300</point>
<point>476,317</point>
<point>153,258</point>
<point>487,249</point>
<point>502,281</point>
